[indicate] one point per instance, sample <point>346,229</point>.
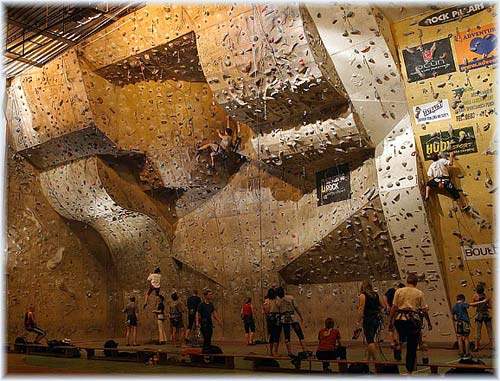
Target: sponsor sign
<point>454,13</point>
<point>333,184</point>
<point>462,142</point>
<point>476,103</point>
<point>429,60</point>
<point>432,112</point>
<point>477,47</point>
<point>486,251</point>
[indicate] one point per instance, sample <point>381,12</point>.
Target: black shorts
<point>448,185</point>
<point>131,321</point>
<point>177,323</point>
<point>191,320</point>
<point>370,328</point>
<point>249,324</point>
<point>463,328</point>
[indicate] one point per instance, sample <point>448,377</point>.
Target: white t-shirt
<point>439,169</point>
<point>155,280</point>
<point>408,298</point>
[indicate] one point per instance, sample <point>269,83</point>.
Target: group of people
<point>407,313</point>
<point>201,313</point>
<point>404,305</point>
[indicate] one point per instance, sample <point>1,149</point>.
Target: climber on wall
<point>440,178</point>
<point>220,148</point>
<point>154,285</point>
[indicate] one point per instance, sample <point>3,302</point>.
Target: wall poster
<point>429,60</point>
<point>333,184</point>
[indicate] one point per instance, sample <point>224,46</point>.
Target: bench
<point>44,350</point>
<point>166,358</point>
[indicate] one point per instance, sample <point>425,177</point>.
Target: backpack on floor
<point>213,350</point>
<point>75,352</point>
<point>358,368</point>
<point>20,344</point>
<point>109,344</point>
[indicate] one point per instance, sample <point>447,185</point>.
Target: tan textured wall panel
<point>63,268</point>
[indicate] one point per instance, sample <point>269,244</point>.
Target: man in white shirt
<point>407,312</point>
<point>154,285</point>
<point>440,177</point>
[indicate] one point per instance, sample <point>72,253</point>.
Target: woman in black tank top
<point>370,305</point>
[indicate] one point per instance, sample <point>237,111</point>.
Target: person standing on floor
<point>406,315</point>
<point>274,323</point>
<point>131,311</point>
<point>192,306</point>
<point>462,323</point>
<point>204,314</point>
<point>483,316</point>
<point>388,299</point>
<point>248,321</point>
<point>31,326</point>
<point>176,319</point>
<point>329,347</point>
<point>288,310</point>
<point>369,313</point>
<point>154,285</point>
<point>160,317</point>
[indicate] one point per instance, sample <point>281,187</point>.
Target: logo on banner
<point>462,142</point>
<point>486,251</point>
<point>333,184</point>
<point>429,60</point>
<point>453,13</point>
<point>433,111</point>
<point>476,48</point>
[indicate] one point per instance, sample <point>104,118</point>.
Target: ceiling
<point>37,34</point>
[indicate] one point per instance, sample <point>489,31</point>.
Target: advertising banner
<point>432,111</point>
<point>456,13</point>
<point>476,47</point>
<point>462,142</point>
<point>429,60</point>
<point>333,184</point>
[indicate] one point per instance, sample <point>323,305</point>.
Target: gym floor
<point>23,364</point>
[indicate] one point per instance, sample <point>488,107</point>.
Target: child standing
<point>131,311</point>
<point>249,323</point>
<point>462,323</point>
<point>154,285</point>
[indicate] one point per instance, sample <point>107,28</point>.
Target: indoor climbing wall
<point>62,267</point>
<point>448,58</point>
<point>268,68</point>
<point>308,89</point>
<point>76,191</point>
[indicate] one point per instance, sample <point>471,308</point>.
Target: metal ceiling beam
<point>39,31</point>
<point>15,57</point>
<point>47,29</point>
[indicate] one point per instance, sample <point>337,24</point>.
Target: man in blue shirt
<point>462,323</point>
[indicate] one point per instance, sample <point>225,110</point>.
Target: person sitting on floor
<point>31,326</point>
<point>329,347</point>
<point>440,178</point>
<point>219,148</point>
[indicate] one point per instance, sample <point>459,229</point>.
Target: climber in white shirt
<point>440,177</point>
